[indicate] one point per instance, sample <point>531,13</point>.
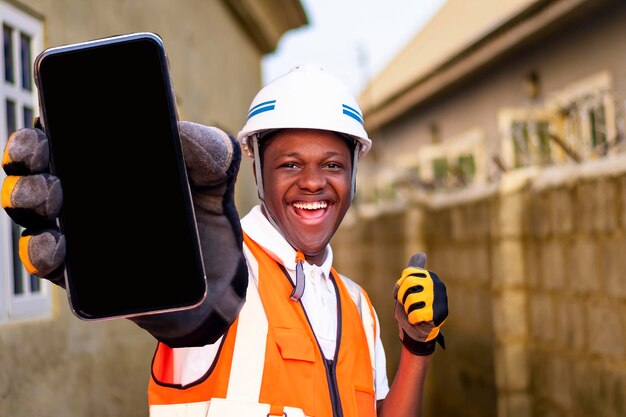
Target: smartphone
<point>109,111</point>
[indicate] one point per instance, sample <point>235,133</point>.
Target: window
<point>440,170</point>
<point>7,40</point>
<point>531,142</point>
<point>26,62</point>
<point>10,116</point>
<point>527,139</point>
<point>21,296</point>
<point>586,119</point>
<point>466,167</point>
<point>576,123</point>
<point>458,161</point>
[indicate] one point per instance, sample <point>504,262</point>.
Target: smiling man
<point>306,341</point>
<point>317,348</point>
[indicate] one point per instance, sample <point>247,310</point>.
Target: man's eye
<point>334,165</point>
<point>289,165</point>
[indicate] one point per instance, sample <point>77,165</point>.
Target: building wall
<point>532,257</point>
<point>563,57</point>
<point>62,366</point>
<point>215,66</point>
<point>534,271</point>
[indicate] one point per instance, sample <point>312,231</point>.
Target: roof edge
<point>266,21</point>
<point>515,32</point>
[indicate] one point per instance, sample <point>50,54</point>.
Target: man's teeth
<point>311,206</point>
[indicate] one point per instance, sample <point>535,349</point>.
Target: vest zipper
<point>331,375</point>
<point>329,365</point>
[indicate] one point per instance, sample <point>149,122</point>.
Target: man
<point>306,340</point>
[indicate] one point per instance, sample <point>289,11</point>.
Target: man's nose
<point>312,179</point>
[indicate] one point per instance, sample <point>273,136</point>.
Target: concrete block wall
<point>577,299</point>
<point>463,376</point>
<point>536,278</point>
<point>373,250</point>
<point>372,253</point>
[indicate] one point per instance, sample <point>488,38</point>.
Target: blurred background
<point>498,132</point>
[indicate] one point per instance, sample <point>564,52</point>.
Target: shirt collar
<point>256,225</point>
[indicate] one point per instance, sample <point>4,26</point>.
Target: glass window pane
<point>18,284</point>
<point>598,127</point>
<point>35,284</point>
<point>11,121</point>
<point>520,144</point>
<point>7,32</point>
<point>28,116</point>
<point>25,60</point>
<point>543,133</point>
<point>467,167</point>
<point>440,170</point>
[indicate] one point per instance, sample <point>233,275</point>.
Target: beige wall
<point>569,54</point>
<point>535,274</point>
<point>65,367</point>
<point>214,64</point>
<point>62,366</point>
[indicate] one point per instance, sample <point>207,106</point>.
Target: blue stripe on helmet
<point>260,105</point>
<point>353,115</point>
<point>260,110</point>
<point>345,106</point>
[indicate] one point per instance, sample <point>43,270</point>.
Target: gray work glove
<point>421,307</point>
<point>32,197</point>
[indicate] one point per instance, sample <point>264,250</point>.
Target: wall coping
<point>567,175</point>
<point>469,195</point>
<point>538,179</point>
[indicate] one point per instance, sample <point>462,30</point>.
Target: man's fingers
<point>26,153</point>
<point>419,304</point>
<point>42,252</point>
<point>32,201</point>
<point>208,153</point>
<point>418,260</point>
<point>410,277</point>
<point>422,296</point>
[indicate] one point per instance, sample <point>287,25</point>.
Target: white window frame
<point>28,305</point>
<point>507,117</point>
<point>585,94</point>
<point>575,134</point>
<point>470,142</point>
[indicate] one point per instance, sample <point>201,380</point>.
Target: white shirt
<point>319,298</point>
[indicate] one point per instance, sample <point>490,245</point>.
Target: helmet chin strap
<point>259,183</point>
<point>355,162</point>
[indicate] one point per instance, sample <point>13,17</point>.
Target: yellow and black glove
<point>32,197</point>
<point>421,307</point>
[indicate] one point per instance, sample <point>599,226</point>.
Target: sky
<point>352,39</point>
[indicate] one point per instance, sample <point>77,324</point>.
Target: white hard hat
<point>307,97</point>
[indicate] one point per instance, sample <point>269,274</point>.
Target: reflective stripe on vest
<point>286,367</point>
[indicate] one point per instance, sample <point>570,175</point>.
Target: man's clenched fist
<point>421,309</point>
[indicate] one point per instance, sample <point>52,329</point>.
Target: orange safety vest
<point>294,372</point>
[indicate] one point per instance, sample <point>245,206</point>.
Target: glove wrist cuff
<point>422,348</point>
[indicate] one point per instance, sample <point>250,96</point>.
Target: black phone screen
<point>132,244</point>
